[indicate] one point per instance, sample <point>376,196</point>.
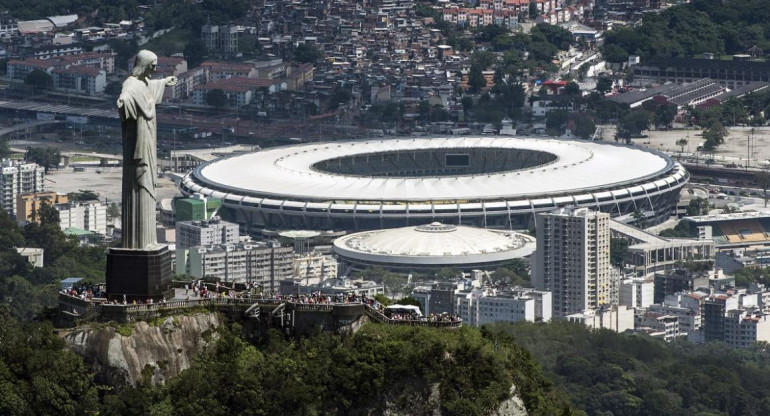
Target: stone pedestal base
<point>139,274</point>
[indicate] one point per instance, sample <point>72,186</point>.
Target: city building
<point>743,327</point>
<point>572,259</point>
<point>715,311</point>
<point>314,265</point>
<point>223,39</point>
<point>87,215</point>
<point>688,320</point>
<point>670,282</point>
<point>337,286</point>
<point>264,264</point>
<point>19,178</point>
<point>617,318</point>
<point>79,79</point>
<point>27,205</point>
<point>195,208</point>
<point>482,306</point>
<point>648,253</point>
<point>432,247</point>
<point>33,255</point>
<point>637,292</point>
<point>659,325</point>
<point>732,74</point>
<point>205,233</point>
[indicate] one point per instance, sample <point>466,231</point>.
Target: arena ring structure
<point>485,181</point>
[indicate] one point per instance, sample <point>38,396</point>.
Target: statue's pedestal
<point>139,274</point>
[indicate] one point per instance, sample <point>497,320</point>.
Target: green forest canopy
<point>688,30</point>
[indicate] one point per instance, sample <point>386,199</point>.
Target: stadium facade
<point>491,182</point>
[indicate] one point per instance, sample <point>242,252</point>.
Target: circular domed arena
<point>432,246</point>
<point>489,182</point>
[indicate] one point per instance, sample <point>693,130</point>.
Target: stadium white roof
<point>286,172</point>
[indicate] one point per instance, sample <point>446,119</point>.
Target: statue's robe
<point>137,115</point>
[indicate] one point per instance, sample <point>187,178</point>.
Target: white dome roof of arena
<point>433,245</point>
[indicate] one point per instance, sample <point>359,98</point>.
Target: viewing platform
<point>285,313</point>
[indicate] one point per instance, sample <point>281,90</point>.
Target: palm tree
<point>639,219</point>
<point>681,143</point>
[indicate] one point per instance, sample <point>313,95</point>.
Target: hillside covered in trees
<point>719,27</point>
<point>410,370</point>
<point>608,374</point>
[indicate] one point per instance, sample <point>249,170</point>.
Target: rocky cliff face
<point>156,351</point>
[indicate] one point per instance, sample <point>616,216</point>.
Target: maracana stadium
<point>490,182</point>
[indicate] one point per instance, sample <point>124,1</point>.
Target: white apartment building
<point>19,178</point>
<point>637,292</point>
<point>89,216</point>
<point>315,265</point>
<point>660,325</point>
<point>572,259</point>
<point>265,264</point>
<point>689,320</point>
<point>617,318</point>
<point>205,233</point>
<point>483,306</point>
<point>743,327</point>
<point>33,255</point>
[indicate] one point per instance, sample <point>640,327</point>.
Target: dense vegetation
<point>38,376</point>
<point>701,26</point>
<point>322,374</point>
<point>27,290</point>
<point>326,374</point>
<point>626,375</point>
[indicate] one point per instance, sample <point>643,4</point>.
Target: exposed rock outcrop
<point>156,351</point>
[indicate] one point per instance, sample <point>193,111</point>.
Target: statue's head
<point>145,63</point>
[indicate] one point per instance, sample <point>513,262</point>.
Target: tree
<point>47,157</point>
<point>83,195</point>
<point>476,80</point>
<point>618,250</point>
<point>681,143</point>
<point>603,85</point>
<point>533,11</point>
<point>216,98</point>
<point>195,52</point>
<point>556,119</point>
<point>633,123</point>
<point>40,375</point>
<point>113,89</point>
<point>572,89</point>
<point>5,148</point>
<point>113,211</point>
<point>714,137</point>
<point>697,206</point>
<point>584,126</point>
<point>305,52</point>
<point>665,114</point>
<point>339,96</point>
<point>467,103</point>
<point>38,80</point>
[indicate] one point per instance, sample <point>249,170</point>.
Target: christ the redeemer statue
<point>137,115</point>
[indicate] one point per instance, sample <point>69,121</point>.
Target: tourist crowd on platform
<point>85,291</point>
